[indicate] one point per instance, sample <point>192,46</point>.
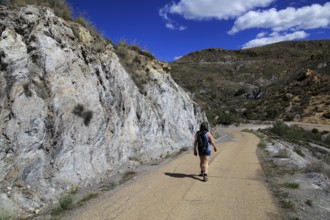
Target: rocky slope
<point>71,115</point>
<point>287,80</point>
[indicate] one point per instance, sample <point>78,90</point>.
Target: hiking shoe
<point>205,178</point>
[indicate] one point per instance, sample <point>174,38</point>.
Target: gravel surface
<point>235,190</point>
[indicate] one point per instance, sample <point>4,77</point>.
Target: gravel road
<point>235,190</point>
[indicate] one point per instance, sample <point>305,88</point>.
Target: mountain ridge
<point>234,86</point>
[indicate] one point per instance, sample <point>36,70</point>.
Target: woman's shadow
<point>182,175</point>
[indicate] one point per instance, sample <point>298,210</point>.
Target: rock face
<point>70,113</point>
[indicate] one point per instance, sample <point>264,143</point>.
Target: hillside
<point>288,80</point>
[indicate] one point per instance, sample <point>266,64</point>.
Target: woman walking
<point>202,147</point>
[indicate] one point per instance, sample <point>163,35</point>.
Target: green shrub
<point>147,54</point>
<point>6,215</point>
<point>83,21</point>
<point>315,131</point>
<point>294,132</point>
<point>227,118</point>
<point>283,153</point>
<point>65,202</point>
<point>291,185</point>
<point>262,145</point>
<point>216,135</point>
<point>122,44</point>
<point>287,204</point>
<point>271,113</point>
<point>135,48</point>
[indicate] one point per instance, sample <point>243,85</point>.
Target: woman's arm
<point>195,145</point>
<point>212,142</point>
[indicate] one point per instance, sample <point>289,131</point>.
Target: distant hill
<point>287,80</point>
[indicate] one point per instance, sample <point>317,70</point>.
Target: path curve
<point>235,190</point>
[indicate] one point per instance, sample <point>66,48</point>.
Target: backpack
<point>202,142</point>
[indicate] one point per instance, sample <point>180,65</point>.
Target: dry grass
<point>87,198</point>
<point>60,7</point>
<point>128,176</point>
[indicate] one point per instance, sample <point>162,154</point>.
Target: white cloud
<point>262,34</point>
<point>308,17</point>
<point>214,9</point>
<point>274,38</point>
<point>209,9</point>
<point>177,57</point>
<point>169,23</point>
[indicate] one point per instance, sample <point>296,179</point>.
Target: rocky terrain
<point>287,80</point>
<point>72,115</point>
<point>297,169</point>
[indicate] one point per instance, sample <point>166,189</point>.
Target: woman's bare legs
<point>204,163</point>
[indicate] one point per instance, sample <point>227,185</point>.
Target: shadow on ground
<point>182,175</point>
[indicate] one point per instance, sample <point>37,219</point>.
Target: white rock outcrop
<point>71,116</point>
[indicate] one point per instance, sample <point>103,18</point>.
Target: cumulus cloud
<point>275,37</point>
<point>169,23</point>
<point>308,17</point>
<point>210,9</point>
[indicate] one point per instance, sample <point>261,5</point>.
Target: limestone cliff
<point>70,115</point>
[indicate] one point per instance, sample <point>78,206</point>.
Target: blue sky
<point>174,28</point>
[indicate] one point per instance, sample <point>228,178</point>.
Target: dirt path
<point>235,189</point>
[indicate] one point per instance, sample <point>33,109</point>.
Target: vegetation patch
<point>296,134</point>
<point>287,204</point>
<point>291,185</point>
<point>60,7</point>
<point>128,176</point>
<point>262,145</point>
<point>283,153</point>
<point>87,198</point>
<point>317,167</point>
<point>264,83</point>
<point>135,61</point>
<point>279,172</point>
<point>110,186</point>
<point>6,215</point>
<point>65,203</point>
